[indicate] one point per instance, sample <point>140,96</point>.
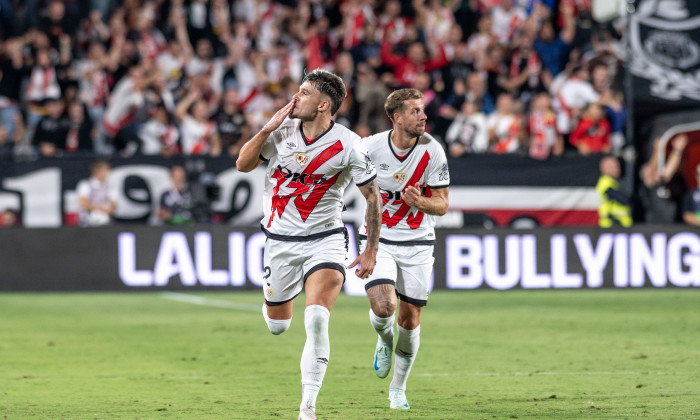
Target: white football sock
<point>383,326</point>
<point>317,350</point>
<point>276,326</point>
<point>404,355</point>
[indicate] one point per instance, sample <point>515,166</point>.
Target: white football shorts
<point>289,263</point>
<point>408,268</point>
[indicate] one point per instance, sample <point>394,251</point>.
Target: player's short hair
<point>99,164</point>
<point>396,102</point>
<point>328,84</point>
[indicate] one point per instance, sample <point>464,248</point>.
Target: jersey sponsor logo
<point>413,220</point>
<point>291,145</point>
<point>383,167</point>
<point>315,185</point>
<point>400,177</point>
<point>303,177</point>
<point>302,159</point>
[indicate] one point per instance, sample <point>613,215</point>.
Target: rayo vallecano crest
<point>400,177</point>
<point>665,41</point>
<point>302,159</point>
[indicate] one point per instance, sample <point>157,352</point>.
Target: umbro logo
<point>322,360</point>
<point>383,166</point>
<point>291,145</point>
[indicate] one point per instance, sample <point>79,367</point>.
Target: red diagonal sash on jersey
<point>413,220</point>
<point>305,207</point>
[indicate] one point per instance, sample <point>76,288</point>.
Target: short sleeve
<point>83,189</point>
<point>361,165</point>
<point>439,175</point>
<point>268,150</point>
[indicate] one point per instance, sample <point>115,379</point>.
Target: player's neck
<point>313,129</point>
<point>402,140</point>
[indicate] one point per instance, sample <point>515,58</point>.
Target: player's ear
<point>324,106</point>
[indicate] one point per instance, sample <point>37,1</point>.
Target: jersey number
<point>413,220</point>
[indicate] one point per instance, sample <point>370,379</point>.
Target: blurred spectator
<point>525,70</point>
<point>10,218</point>
<point>205,73</point>
<point>126,98</point>
<point>42,85</point>
<point>541,129</point>
<point>473,91</point>
<point>468,132</point>
<point>176,203</point>
<point>11,74</point>
<point>431,101</point>
<point>416,60</point>
<point>52,130</point>
<point>573,95</point>
<point>94,86</point>
<point>367,50</point>
<point>592,134</point>
<point>691,202</point>
<point>662,192</point>
<point>614,209</point>
<point>495,69</point>
<point>481,41</point>
<point>58,23</point>
<point>8,142</point>
<point>81,130</point>
<point>158,135</point>
<point>199,135</point>
<point>507,20</point>
<point>553,49</point>
<point>616,114</point>
<point>97,199</point>
<point>392,24</point>
<point>232,124</point>
<point>504,126</point>
<point>370,94</point>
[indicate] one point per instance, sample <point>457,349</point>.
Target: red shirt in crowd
<point>405,70</point>
<point>594,134</point>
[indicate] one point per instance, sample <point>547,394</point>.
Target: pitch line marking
<point>603,373</point>
<point>583,373</point>
<point>216,303</point>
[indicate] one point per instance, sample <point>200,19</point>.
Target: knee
<point>316,319</point>
<point>276,326</point>
<point>409,324</point>
<point>383,308</point>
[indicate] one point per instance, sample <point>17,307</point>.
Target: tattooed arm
<point>373,215</point>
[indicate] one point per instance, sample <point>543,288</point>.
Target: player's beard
<point>415,131</point>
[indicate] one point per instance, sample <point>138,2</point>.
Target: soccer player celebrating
<point>310,162</point>
<point>414,184</point>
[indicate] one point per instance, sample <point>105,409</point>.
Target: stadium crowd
<point>198,77</point>
<point>194,77</point>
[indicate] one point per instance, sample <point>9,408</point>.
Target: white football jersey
<point>424,164</point>
<point>305,180</point>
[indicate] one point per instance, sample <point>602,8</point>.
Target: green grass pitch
<point>602,354</point>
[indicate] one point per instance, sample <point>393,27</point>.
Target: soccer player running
<point>414,183</point>
<point>310,162</point>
